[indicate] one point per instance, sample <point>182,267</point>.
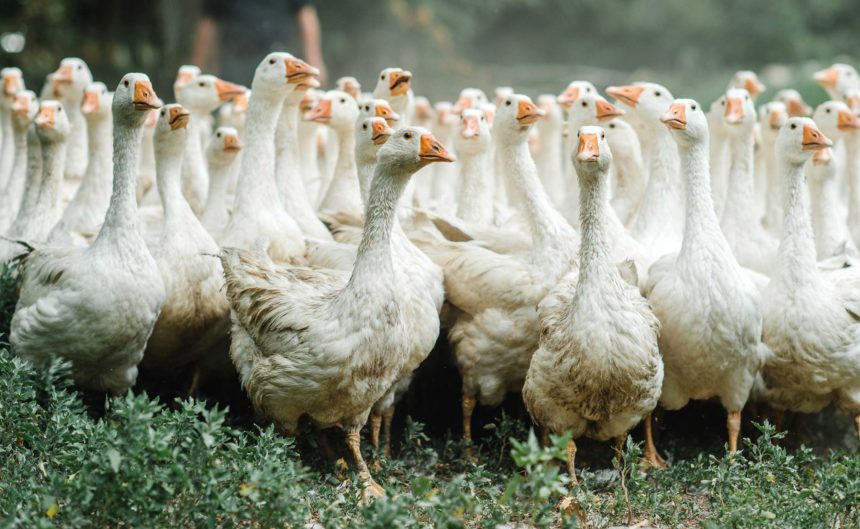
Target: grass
<point>72,460</point>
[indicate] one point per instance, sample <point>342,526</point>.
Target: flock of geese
<point>599,258</point>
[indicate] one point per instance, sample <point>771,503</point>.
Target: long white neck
<point>121,217</point>
<point>595,263</point>
<point>53,162</point>
<point>168,177</point>
<point>93,195</point>
<point>719,152</point>
<point>7,143</point>
<point>195,176</point>
<point>852,174</point>
<point>19,167</point>
<point>740,208</point>
<point>797,263</point>
<point>77,148</point>
<point>475,198</point>
<point>32,183</point>
<point>773,200</point>
<point>663,197</point>
<point>216,215</point>
<point>343,193</point>
<point>308,160</point>
<point>549,161</point>
<point>828,227</point>
<point>629,181</point>
<point>256,185</point>
<point>701,227</point>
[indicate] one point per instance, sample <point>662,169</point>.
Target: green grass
<point>74,460</point>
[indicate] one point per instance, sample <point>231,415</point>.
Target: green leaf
<point>115,458</point>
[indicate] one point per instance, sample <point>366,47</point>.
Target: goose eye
<point>202,84</point>
<point>602,135</point>
<point>612,125</point>
<point>162,113</point>
<point>218,135</point>
<point>693,107</point>
<point>343,100</point>
<point>271,61</point>
<point>584,104</point>
<point>657,93</point>
<point>722,102</point>
<point>367,108</point>
<point>80,67</point>
<point>793,126</point>
<point>382,77</point>
<point>588,89</point>
<point>408,135</point>
<point>828,111</point>
<point>364,127</point>
<point>508,103</point>
<point>483,118</point>
<point>125,83</point>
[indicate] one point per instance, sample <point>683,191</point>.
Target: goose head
<point>133,98</point>
<point>837,79</point>
<point>423,112</point>
<point>350,85</point>
<point>24,107</point>
<point>336,109</point>
<point>171,129</point>
<point>749,81</point>
<point>378,108</point>
<point>411,148</point>
<point>591,109</point>
<point>514,119</point>
<point>469,98</point>
<point>204,93</point>
<point>309,100</point>
<point>798,140</point>
<point>371,134</point>
<point>184,75</point>
<point>393,82</point>
<point>592,157</point>
<point>12,80</point>
<point>622,135</point>
<point>501,92</point>
<point>648,101</point>
<point>224,146</point>
<point>772,116</point>
<point>474,132</point>
<point>52,122</point>
<point>686,122</point>
<point>793,101</point>
<point>73,76</point>
<point>574,91</point>
<point>279,73</point>
<point>97,101</point>
<point>834,118</point>
<point>738,111</point>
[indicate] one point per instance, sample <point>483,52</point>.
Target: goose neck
<point>594,251</point>
<point>797,257</point>
<point>476,194</point>
<point>740,199</point>
<point>121,216</point>
<point>53,162</point>
<point>168,176</point>
<point>701,222</point>
<point>256,187</point>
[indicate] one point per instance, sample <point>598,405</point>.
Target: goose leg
<point>571,457</point>
<point>652,457</point>
<point>375,424</point>
<point>371,487</point>
<point>733,424</point>
<point>387,418</point>
<point>544,437</point>
<point>468,407</point>
<point>857,424</point>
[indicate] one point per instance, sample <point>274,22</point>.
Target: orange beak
<point>383,110</point>
<point>566,98</point>
<point>847,120</point>
<point>629,94</point>
<point>606,110</point>
<point>64,74</point>
<point>240,102</point>
<point>822,156</point>
<point>588,149</point>
<point>380,132</point>
<point>321,113</point>
<point>232,143</point>
<point>45,118</point>
<point>21,105</point>
<point>470,128</point>
<point>676,116</point>
<point>144,96</point>
<point>90,103</point>
<point>814,140</point>
<point>796,107</point>
<point>463,102</point>
<point>827,78</point>
<point>11,84</point>
<point>734,110</point>
<point>777,119</point>
<point>56,88</point>
<point>754,86</point>
<point>433,151</point>
<point>398,83</point>
<point>178,117</point>
<point>227,90</point>
<point>298,70</point>
<point>527,112</point>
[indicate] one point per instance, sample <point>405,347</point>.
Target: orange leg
<point>375,424</point>
<point>571,458</point>
<point>371,487</point>
<point>387,418</point>
<point>857,424</point>
<point>468,407</point>
<point>652,457</point>
<point>619,446</point>
<point>733,424</point>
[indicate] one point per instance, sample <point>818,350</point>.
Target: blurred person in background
<point>232,36</point>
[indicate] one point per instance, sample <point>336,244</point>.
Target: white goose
<point>793,101</point>
<point>146,166</point>
<point>772,117</point>
<point>476,193</point>
<point>837,80</point>
<point>86,211</point>
<point>629,176</point>
<point>12,81</point>
<point>549,156</point>
<point>97,306</point>
<point>852,169</point>
<point>394,85</point>
<point>309,137</point>
<point>73,77</point>
<point>222,155</point>
<point>598,370</point>
<point>258,215</point>
<point>707,305</point>
<point>328,344</point>
<point>830,231</point>
<point>811,320</point>
<point>23,110</point>
<point>194,315</point>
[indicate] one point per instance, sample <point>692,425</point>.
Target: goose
<point>184,75</point>
<point>86,211</point>
<point>473,143</point>
<point>793,102</point>
<point>29,206</point>
<point>659,223</point>
<point>288,176</point>
<point>146,166</point>
<point>339,111</point>
<point>494,326</point>
<point>23,111</point>
<point>233,113</point>
<point>74,77</point>
<point>194,315</point>
<point>749,81</point>
<point>719,154</point>
<point>469,98</point>
<point>549,157</point>
<point>12,81</point>
<point>831,233</point>
<point>424,181</point>
<point>837,80</point>
<point>329,344</point>
<point>810,318</point>
<point>423,112</point>
<point>597,371</point>
<point>258,215</point>
<point>707,306</point>
<point>444,181</point>
<point>852,169</point>
<point>395,86</point>
<point>628,170</point>
<point>309,134</point>
<point>201,96</point>
<point>752,245</point>
<point>96,306</point>
<point>772,117</point>
<point>350,85</point>
<point>222,154</point>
